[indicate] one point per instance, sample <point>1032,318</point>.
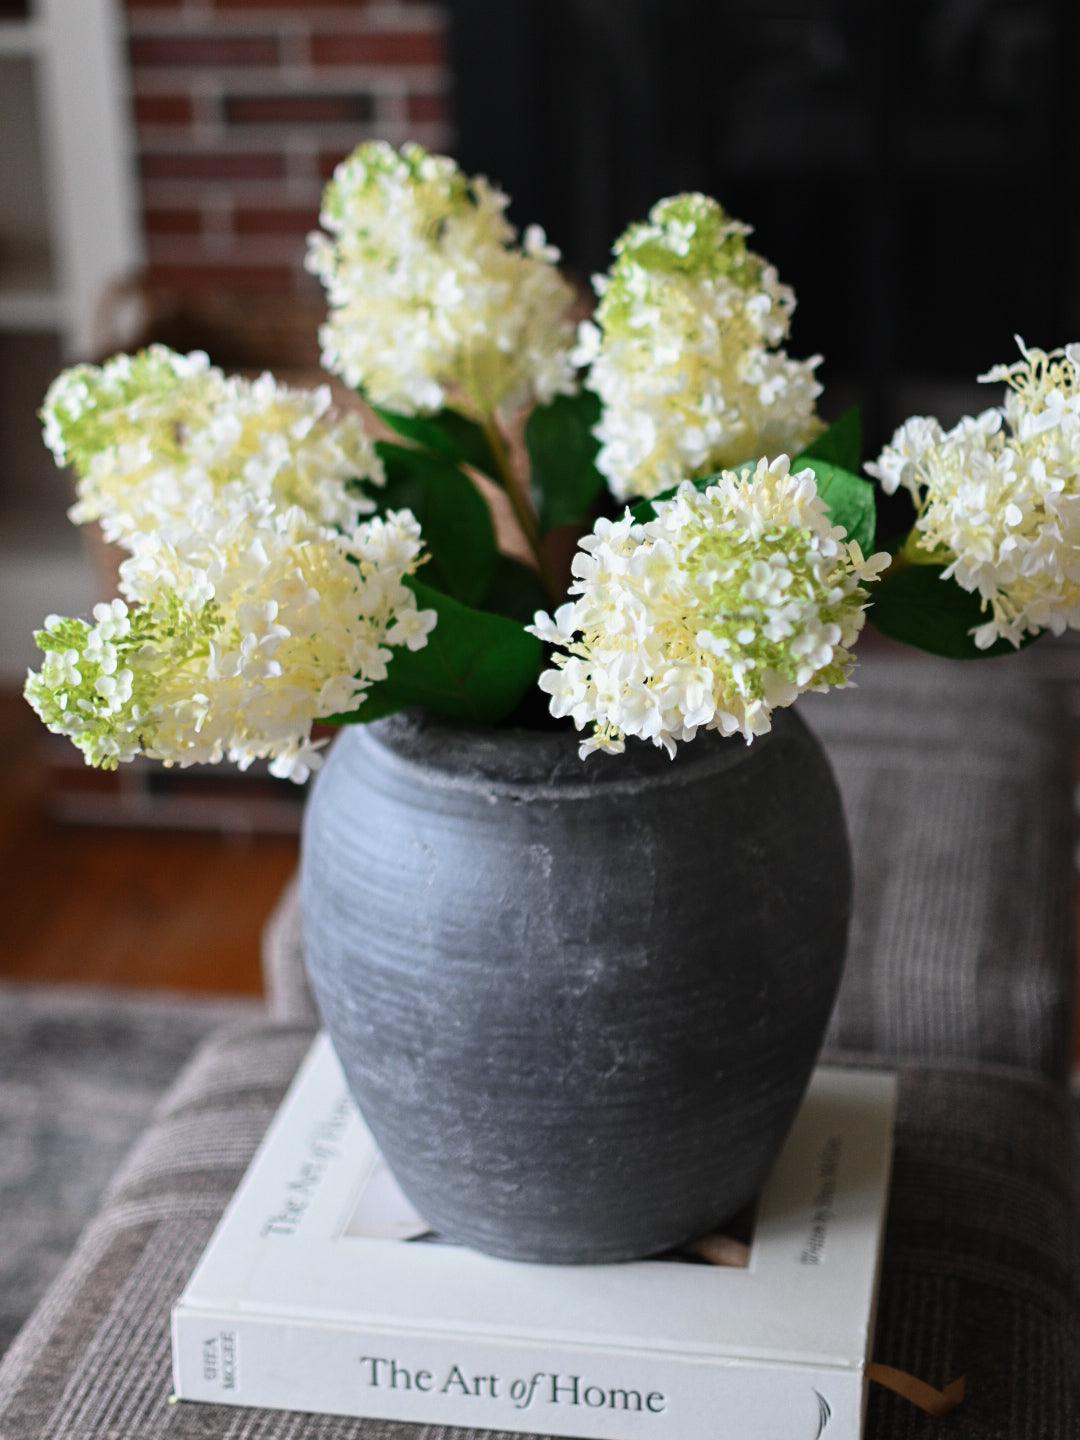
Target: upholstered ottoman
<point>958,786</point>
<point>981,1269</point>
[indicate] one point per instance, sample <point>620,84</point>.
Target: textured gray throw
<point>80,1073</point>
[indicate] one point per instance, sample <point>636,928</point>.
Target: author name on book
<point>383,1372</point>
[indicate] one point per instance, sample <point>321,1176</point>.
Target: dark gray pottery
<point>578,1003</point>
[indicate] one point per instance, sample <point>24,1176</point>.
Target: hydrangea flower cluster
<point>432,299</point>
<point>683,353</point>
<point>724,607</point>
<point>238,637</point>
<point>155,435</point>
<point>998,496</point>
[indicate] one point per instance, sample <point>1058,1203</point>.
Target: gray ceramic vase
<point>577,1003</point>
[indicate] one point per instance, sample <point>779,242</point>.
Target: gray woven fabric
<point>981,1265</point>
<point>957,781</point>
<point>80,1072</point>
<point>288,994</point>
<point>957,785</point>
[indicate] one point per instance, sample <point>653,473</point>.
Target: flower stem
<point>521,505</point>
<point>912,552</point>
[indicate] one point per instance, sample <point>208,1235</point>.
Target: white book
<point>319,1292</point>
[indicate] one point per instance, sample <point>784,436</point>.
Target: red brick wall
<point>243,107</point>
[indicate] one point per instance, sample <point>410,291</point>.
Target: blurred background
<point>162,160</point>
<point>911,169</point>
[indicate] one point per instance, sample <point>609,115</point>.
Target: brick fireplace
<point>243,107</point>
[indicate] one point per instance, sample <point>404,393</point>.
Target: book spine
<point>472,1381</point>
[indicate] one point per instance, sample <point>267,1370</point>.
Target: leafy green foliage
<point>916,606</point>
<point>448,434</point>
<point>836,459</point>
<point>562,451</point>
<point>515,591</point>
<point>848,498</point>
<point>453,515</point>
<point>841,444</point>
<point>476,667</point>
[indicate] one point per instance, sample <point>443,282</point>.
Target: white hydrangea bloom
<point>683,353</point>
<point>998,496</point>
<point>898,464</point>
<point>235,642</point>
<point>727,605</point>
<point>155,435</point>
<point>432,300</point>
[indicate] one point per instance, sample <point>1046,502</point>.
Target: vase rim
<point>538,764</point>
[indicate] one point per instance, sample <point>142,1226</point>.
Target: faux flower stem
<point>914,552</point>
<point>524,513</point>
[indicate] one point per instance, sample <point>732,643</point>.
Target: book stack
<point>322,1290</point>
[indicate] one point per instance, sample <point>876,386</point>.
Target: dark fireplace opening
<point>911,168</point>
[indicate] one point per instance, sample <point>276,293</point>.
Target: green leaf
<point>515,591</point>
<point>476,667</point>
<point>916,606</point>
<point>563,450</point>
<point>841,444</point>
<point>454,517</point>
<point>848,498</point>
<point>448,434</point>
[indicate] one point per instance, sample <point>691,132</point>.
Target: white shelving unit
<point>69,229</point>
<point>29,297</point>
<point>20,37</point>
<point>68,223</point>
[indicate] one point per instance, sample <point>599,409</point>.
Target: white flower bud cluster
<point>726,606</point>
<point>432,299</point>
<point>156,435</point>
<point>684,353</point>
<point>998,496</point>
<point>241,633</point>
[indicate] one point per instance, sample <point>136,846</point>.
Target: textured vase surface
<point>577,1003</point>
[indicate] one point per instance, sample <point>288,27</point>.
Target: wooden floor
<point>124,907</point>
